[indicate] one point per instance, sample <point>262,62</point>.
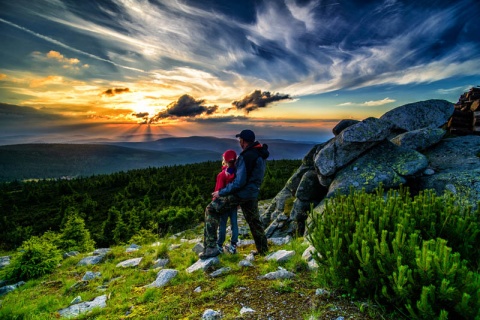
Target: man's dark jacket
<point>251,164</point>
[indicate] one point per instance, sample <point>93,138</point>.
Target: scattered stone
<point>160,263</point>
<point>84,307</point>
<point>203,264</point>
<point>244,243</point>
<point>429,172</point>
<point>101,251</point>
<point>245,263</point>
<point>89,275</point>
<point>90,260</point>
<point>220,272</point>
<point>280,255</point>
<point>211,314</point>
<point>313,265</point>
<point>198,290</point>
<point>6,289</point>
<point>76,300</point>
<point>4,261</point>
<point>280,241</point>
<point>198,248</point>
<point>70,254</point>
<point>308,253</point>
<point>250,257</point>
<point>279,274</point>
<point>246,310</point>
<point>322,292</point>
<point>163,277</point>
<point>129,263</point>
<point>133,247</point>
<point>175,246</point>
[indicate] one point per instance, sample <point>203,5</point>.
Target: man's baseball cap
<point>246,135</point>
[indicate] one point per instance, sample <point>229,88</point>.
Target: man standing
<point>243,191</point>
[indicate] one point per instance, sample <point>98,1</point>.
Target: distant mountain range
<point>44,161</point>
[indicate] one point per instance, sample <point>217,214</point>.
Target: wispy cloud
<point>371,103</point>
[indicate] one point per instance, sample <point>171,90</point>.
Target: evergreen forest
<point>116,207</point>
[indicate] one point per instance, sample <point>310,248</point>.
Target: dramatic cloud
<point>112,92</point>
<point>258,99</point>
<point>2,76</point>
<point>185,106</point>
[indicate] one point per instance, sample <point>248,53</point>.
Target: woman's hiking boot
<point>232,248</point>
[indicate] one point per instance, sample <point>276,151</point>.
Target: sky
<point>75,71</point>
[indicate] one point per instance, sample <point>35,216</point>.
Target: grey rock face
<point>456,162</point>
<point>387,164</point>
<point>420,139</point>
<point>351,143</point>
<point>309,188</point>
<point>422,114</point>
<point>294,181</point>
<point>342,125</point>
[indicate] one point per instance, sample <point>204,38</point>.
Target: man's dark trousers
<point>250,211</point>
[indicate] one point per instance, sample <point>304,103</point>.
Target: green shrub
<point>394,249</point>
<point>175,219</point>
<point>75,237</point>
<point>144,237</point>
<point>36,257</point>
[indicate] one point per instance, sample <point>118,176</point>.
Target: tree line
<point>115,207</point>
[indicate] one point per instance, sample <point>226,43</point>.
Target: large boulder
<point>420,139</point>
<point>351,143</point>
<point>423,114</point>
<point>386,164</point>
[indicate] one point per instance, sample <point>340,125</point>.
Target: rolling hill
<point>45,161</point>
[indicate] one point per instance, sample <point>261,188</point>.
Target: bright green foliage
<point>108,202</point>
<point>394,249</point>
<point>175,219</point>
<point>75,237</point>
<point>35,258</point>
<point>144,237</point>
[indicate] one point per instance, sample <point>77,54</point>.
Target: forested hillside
<point>117,206</point>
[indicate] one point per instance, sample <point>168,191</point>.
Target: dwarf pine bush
<point>75,236</point>
<point>36,257</point>
<point>418,254</point>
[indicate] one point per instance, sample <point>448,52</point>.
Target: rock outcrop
<point>406,146</point>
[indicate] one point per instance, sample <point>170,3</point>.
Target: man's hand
<point>215,195</point>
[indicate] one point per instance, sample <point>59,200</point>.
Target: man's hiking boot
<point>209,253</point>
<point>220,248</point>
<point>255,252</point>
<point>232,248</point>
